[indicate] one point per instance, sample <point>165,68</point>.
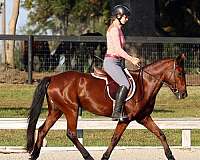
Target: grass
<point>94,138</point>
<point>16,99</point>
<point>16,95</point>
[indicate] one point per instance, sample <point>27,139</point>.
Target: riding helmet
<point>120,10</point>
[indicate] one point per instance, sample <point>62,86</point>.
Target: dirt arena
<point>118,154</point>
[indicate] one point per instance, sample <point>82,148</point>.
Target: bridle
<point>174,83</point>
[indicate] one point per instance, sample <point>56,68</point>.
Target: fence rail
<point>186,125</point>
<point>81,52</point>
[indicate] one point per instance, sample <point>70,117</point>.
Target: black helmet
<point>120,10</point>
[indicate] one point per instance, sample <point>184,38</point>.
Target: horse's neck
<point>153,75</point>
<point>158,68</point>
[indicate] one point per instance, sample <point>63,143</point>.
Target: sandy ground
<point>118,154</point>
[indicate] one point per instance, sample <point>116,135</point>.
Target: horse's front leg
<point>151,126</point>
<point>119,130</point>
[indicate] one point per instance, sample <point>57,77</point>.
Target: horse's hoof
<point>171,158</point>
<point>32,158</point>
<point>89,158</point>
<point>104,158</point>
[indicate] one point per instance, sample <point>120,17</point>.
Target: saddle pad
<point>112,86</point>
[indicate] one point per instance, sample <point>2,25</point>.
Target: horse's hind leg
<point>53,116</point>
<point>72,117</point>
<point>151,126</point>
<point>121,126</point>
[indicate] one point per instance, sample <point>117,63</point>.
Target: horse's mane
<point>152,65</point>
<point>158,62</point>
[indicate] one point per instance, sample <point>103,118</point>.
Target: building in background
<point>142,19</point>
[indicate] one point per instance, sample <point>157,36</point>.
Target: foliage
<point>66,17</point>
<point>180,17</point>
<point>59,16</point>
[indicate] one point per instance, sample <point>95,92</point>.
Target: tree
<point>58,16</point>
<point>48,15</point>
<point>12,31</point>
<point>180,17</point>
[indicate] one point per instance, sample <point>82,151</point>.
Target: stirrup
<point>120,118</point>
<point>123,118</point>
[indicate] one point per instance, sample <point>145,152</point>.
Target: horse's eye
<point>181,74</point>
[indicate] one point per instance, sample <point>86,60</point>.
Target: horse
<point>67,91</point>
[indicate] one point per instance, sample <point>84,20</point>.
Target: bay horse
<point>66,92</point>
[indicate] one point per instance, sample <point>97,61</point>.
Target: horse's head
<point>175,77</point>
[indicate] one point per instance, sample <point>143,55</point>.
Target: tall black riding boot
<point>120,99</point>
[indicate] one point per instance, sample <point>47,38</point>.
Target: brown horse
<point>67,91</point>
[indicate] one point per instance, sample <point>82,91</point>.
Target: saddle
<point>111,86</point>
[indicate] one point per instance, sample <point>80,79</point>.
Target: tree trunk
<point>12,31</point>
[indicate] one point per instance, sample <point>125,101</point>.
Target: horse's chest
<point>143,110</point>
<point>147,110</point>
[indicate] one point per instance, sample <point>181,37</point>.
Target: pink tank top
<point>116,43</point>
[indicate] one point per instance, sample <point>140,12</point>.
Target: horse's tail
<point>35,111</point>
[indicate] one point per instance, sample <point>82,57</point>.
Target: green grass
<point>18,112</point>
<point>14,96</point>
<point>195,137</point>
<point>94,138</point>
<point>167,106</point>
<point>16,99</point>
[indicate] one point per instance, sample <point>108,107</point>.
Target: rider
<point>115,54</point>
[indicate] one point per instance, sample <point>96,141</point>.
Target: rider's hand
<point>135,61</point>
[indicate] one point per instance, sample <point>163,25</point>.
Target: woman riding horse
<point>114,56</point>
<point>68,91</point>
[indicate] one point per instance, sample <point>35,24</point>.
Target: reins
<point>158,79</point>
<point>140,76</point>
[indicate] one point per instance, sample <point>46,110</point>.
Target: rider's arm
<point>116,44</point>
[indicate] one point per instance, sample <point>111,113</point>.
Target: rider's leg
<point>114,68</point>
<point>119,103</point>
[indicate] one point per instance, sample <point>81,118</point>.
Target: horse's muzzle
<point>180,95</point>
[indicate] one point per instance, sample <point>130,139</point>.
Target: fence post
<point>30,58</point>
<point>186,138</point>
<point>80,131</point>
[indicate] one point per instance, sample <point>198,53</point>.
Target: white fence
<point>186,125</point>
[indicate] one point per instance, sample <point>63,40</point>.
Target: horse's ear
<point>180,59</point>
